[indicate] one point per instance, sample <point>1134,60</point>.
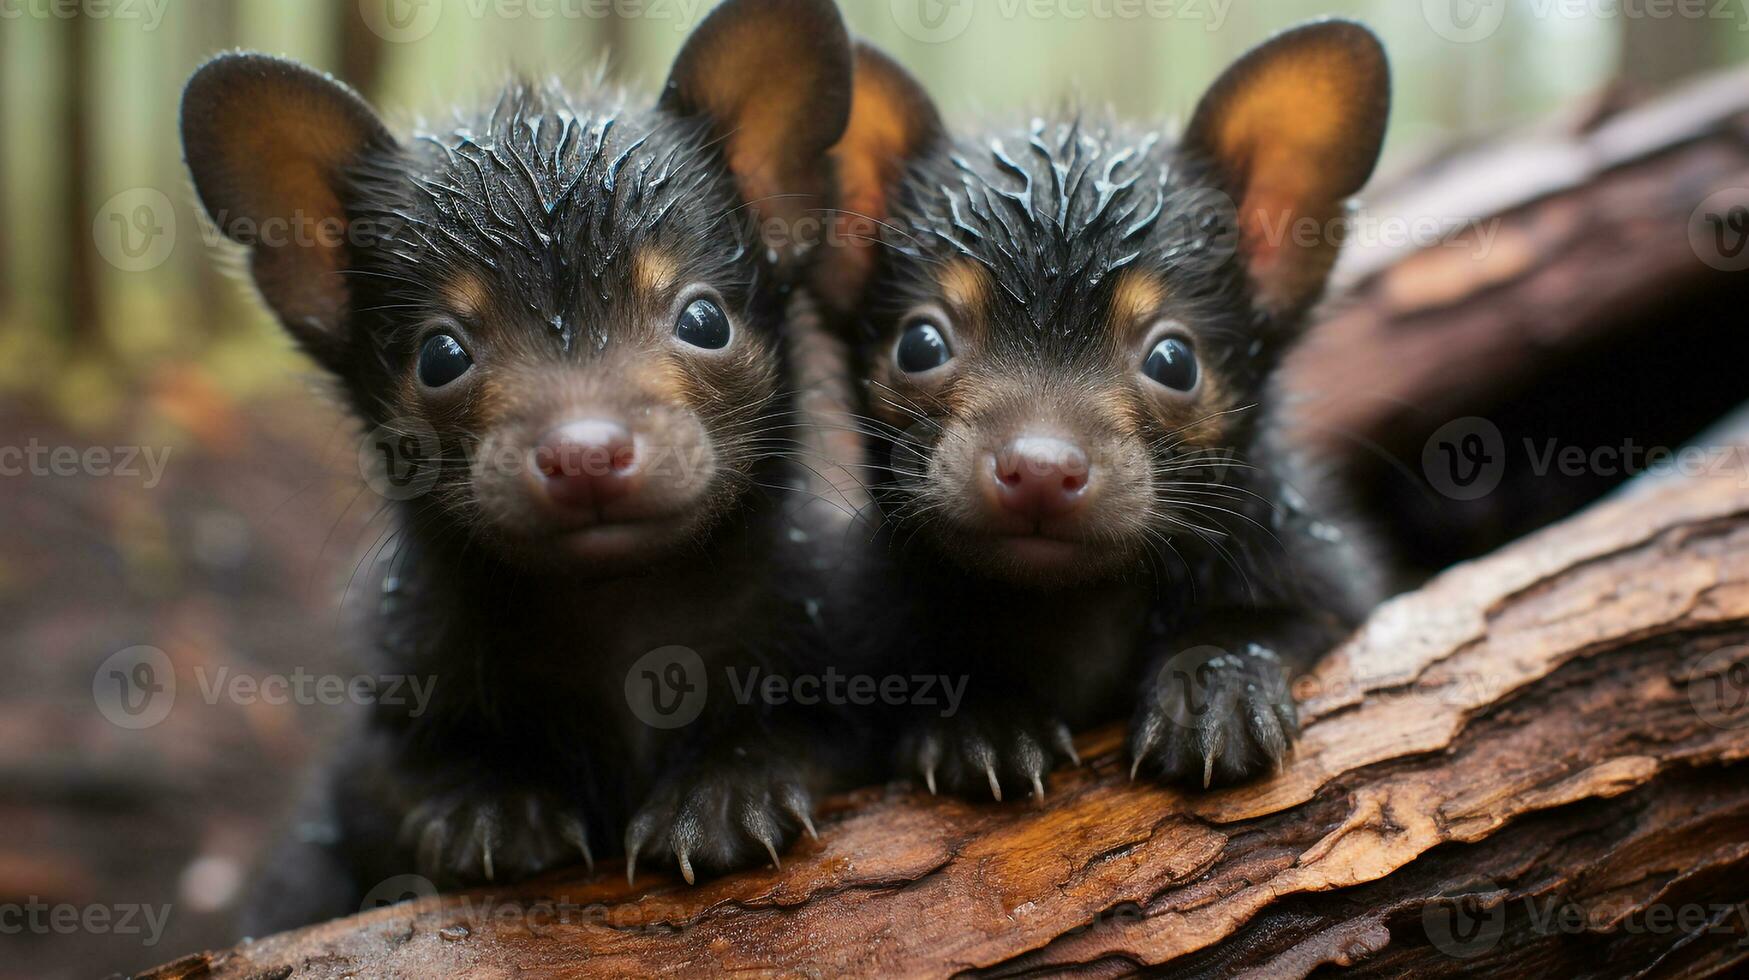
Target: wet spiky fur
<point>550,196</point>
<point>1207,542</point>
<point>550,231</point>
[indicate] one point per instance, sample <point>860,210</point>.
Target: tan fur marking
<point>654,273</point>
<point>966,288</point>
<point>1136,298</point>
<point>466,295</point>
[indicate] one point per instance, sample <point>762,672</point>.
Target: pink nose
<point>587,463</point>
<point>1040,476</point>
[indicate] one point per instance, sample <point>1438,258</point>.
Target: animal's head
<point>1067,325</point>
<point>573,304</point>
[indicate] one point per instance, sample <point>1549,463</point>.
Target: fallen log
<point>1532,766</point>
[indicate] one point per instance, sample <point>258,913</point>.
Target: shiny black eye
<point>922,347</point>
<point>442,360</point>
<point>703,324</point>
<point>1173,364</point>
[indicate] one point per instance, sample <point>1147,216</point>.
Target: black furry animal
<point>1067,331</point>
<point>562,315</point>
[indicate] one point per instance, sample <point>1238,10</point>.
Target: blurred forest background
<point>89,105</point>
<point>119,328</point>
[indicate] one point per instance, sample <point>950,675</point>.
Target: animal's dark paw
<point>480,833</point>
<point>721,816</point>
<point>1211,716</point>
<point>987,751</point>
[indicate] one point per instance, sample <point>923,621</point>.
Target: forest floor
<point>223,535</point>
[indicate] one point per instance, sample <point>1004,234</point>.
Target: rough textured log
<point>1535,765</point>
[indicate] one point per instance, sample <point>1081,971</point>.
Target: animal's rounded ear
<point>1292,130</point>
<point>892,123</point>
<point>267,142</point>
<point>772,78</point>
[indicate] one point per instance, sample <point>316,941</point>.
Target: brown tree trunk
<point>218,292</point>
<point>1656,51</point>
<point>361,51</point>
<point>84,310</point>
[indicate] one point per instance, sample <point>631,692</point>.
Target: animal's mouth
<point>611,540</point>
<point>1041,550</point>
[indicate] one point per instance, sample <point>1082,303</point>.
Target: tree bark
<point>1532,766</point>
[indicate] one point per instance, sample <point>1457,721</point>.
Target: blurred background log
<point>1533,766</point>
<point>1567,305</point>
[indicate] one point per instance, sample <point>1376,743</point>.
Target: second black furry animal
<point>1068,330</point>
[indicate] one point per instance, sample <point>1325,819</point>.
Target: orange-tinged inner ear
<point>1294,128</point>
<point>776,92</point>
<point>763,117</point>
<point>876,146</point>
<point>891,122</point>
<point>1285,133</point>
<point>293,161</point>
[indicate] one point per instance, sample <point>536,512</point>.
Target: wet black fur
<point>544,198</point>
<point>529,729</point>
